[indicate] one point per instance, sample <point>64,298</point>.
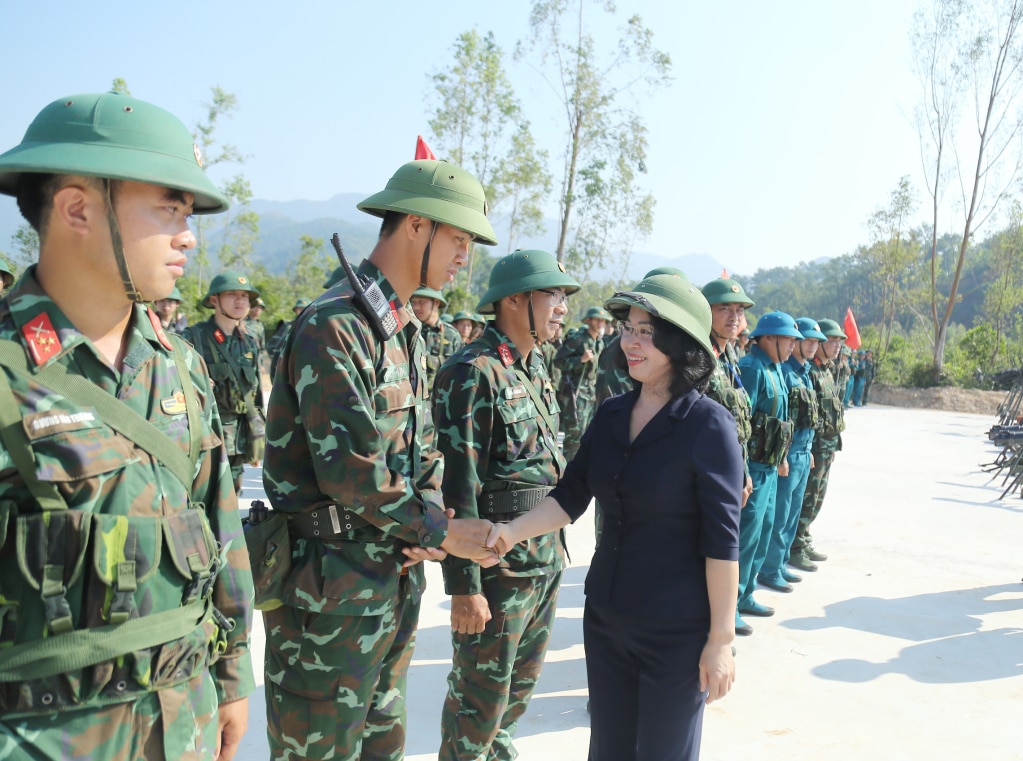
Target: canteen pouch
<point>269,545</point>
<point>255,445</point>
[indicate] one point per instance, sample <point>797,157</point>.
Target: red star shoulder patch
<point>506,356</point>
<point>41,338</point>
<point>219,335</point>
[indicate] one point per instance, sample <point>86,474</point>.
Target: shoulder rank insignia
<point>219,335</point>
<point>505,353</point>
<point>158,327</point>
<point>174,405</point>
<point>41,338</point>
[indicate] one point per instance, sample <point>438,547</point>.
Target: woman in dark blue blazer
<point>665,464</point>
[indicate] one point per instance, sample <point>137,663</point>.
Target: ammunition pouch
<point>804,412</point>
<point>770,439</point>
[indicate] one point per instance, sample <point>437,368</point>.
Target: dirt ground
<point>944,398</point>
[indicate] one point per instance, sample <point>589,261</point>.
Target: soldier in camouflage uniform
<point>578,358</point>
<point>827,440</point>
<point>804,412</point>
<point>6,276</point>
<point>442,340</point>
<point>276,344</point>
<point>499,437</point>
<point>254,327</point>
<point>167,310</point>
<point>232,358</point>
<point>463,323</point>
<point>728,305</point>
<point>125,592</point>
<point>350,458</point>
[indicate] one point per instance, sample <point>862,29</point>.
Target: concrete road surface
<point>907,644</point>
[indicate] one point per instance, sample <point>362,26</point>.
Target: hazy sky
<point>788,122</point>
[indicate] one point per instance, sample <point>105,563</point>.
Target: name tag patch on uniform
<point>43,423</point>
<point>515,392</point>
<point>175,404</point>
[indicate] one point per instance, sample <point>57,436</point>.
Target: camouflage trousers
<point>335,685</point>
<point>576,415</point>
<point>494,673</point>
<point>813,498</point>
<point>176,723</point>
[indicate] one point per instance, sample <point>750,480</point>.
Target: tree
<point>1005,290</point>
<point>967,55</point>
<point>475,109</point>
<point>591,91</point>
<point>894,256</point>
<point>239,229</point>
<point>120,85</point>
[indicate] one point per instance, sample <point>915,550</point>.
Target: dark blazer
<point>670,500</point>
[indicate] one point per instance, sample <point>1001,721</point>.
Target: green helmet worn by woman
<point>673,299</point>
<point>228,280</point>
<point>114,137</point>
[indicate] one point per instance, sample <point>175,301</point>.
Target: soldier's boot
<point>813,554</point>
<point>802,561</point>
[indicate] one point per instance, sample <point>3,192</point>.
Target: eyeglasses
<point>557,298</point>
<point>642,332</point>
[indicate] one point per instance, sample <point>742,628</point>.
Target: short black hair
<point>692,366</point>
<point>35,192</point>
<point>392,220</point>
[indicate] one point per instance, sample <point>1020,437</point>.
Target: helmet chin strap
<point>115,239</point>
<point>532,322</point>
<point>426,258</point>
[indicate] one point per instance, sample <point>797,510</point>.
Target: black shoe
<point>777,584</point>
<point>802,562</point>
<point>813,554</point>
<point>743,630</point>
<point>753,608</point>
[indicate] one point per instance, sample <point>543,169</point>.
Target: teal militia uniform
<point>827,441</point>
<point>577,396</point>
<point>124,544</point>
<point>232,361</point>
<point>442,341</point>
<point>349,437</point>
<point>496,442</point>
<point>804,414</point>
<point>769,402</point>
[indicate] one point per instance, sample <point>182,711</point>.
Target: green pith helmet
<point>665,271</point>
<point>258,302</point>
<point>671,298</point>
<point>175,295</point>
<point>301,303</point>
<point>6,276</point>
<point>229,280</point>
<point>832,329</point>
<point>429,293</point>
<point>479,319</point>
<point>810,329</point>
<point>446,318</point>
<point>463,315</point>
<point>726,291</point>
<point>523,271</point>
<point>439,191</point>
<point>776,324</point>
<point>596,313</point>
<point>114,136</point>
<point>335,277</point>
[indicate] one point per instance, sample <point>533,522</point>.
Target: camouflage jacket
<point>348,423</point>
<point>579,378</point>
<point>829,397</point>
<point>441,340</point>
<point>612,380</point>
<point>134,541</point>
<point>275,345</point>
<point>233,387</point>
<point>726,389</point>
<point>494,438</point>
<point>549,350</point>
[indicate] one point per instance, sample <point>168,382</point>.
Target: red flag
<point>724,273</point>
<point>853,341</point>
<point>422,149</point>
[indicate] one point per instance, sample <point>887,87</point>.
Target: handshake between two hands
<point>471,538</point>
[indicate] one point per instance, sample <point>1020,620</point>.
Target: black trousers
<point>644,684</point>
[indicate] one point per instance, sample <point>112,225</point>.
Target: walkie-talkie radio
<point>368,297</point>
